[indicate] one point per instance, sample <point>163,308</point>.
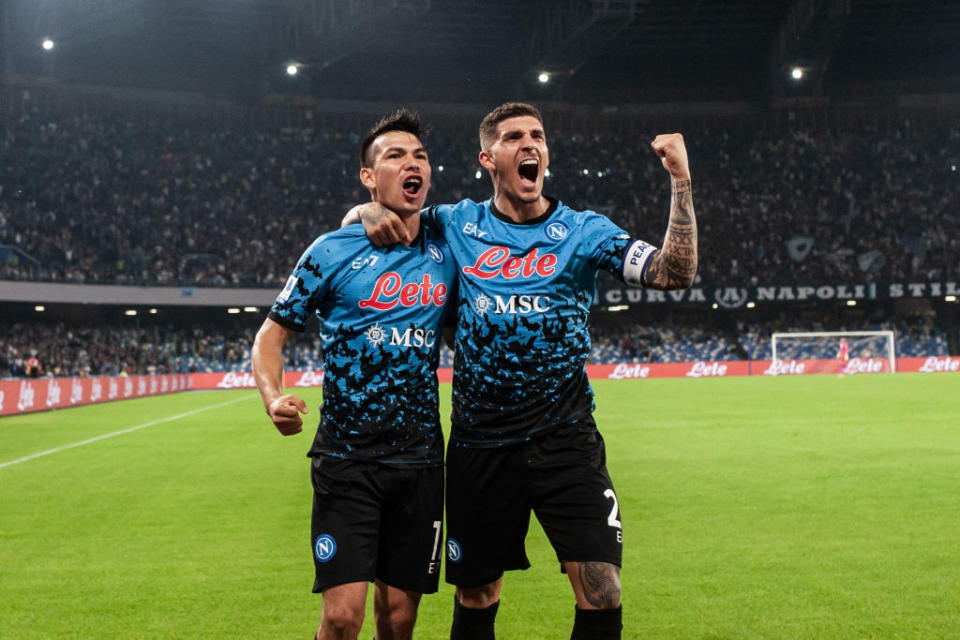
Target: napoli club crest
<point>454,552</point>
<point>324,548</point>
<point>434,252</point>
<point>556,231</point>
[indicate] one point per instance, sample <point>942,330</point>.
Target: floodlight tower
<point>804,45</point>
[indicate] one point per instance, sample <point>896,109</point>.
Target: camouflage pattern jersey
<point>381,312</point>
<point>525,292</point>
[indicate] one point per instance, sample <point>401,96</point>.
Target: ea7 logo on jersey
<point>471,229</point>
<point>362,262</point>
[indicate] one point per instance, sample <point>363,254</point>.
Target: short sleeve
<point>612,249</point>
<point>305,289</point>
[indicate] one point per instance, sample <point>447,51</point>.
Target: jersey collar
<point>541,218</point>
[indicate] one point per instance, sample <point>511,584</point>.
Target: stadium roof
<point>488,50</point>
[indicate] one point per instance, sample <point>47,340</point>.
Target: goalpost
<point>869,351</point>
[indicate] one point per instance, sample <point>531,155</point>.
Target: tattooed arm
<point>674,266</point>
<point>383,226</point>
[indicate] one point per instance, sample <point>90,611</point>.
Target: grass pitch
<point>805,507</point>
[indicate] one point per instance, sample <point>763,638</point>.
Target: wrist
<point>680,183</point>
<point>269,400</point>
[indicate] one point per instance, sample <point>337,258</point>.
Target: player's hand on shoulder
<point>285,412</point>
<point>673,154</point>
<point>383,226</point>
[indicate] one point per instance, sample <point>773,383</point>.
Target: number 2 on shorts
<point>615,511</point>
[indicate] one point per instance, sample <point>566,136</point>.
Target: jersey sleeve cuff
<point>635,261</point>
<point>286,322</point>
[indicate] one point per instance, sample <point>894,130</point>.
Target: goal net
<point>822,352</point>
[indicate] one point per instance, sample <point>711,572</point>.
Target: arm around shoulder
<point>383,226</point>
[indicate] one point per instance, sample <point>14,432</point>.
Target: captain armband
<point>635,261</point>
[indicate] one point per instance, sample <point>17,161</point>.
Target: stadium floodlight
<point>130,312</point>
<point>851,303</point>
<point>478,174</point>
<point>251,309</point>
<point>48,44</point>
<point>153,311</point>
<point>39,307</point>
<point>440,168</point>
<point>233,310</point>
<point>796,73</point>
<point>874,351</point>
<point>950,299</point>
<point>544,77</point>
<point>751,304</point>
<point>618,307</point>
<point>293,69</point>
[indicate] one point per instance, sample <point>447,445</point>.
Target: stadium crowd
<point>147,201</point>
<point>70,350</point>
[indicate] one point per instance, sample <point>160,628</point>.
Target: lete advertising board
<point>40,394</point>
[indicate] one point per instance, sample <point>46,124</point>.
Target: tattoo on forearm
<point>674,266</point>
<point>601,584</point>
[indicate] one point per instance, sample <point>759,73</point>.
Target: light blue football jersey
<point>525,291</point>
<point>381,312</point>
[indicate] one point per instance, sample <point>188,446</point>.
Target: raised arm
<point>383,226</point>
<point>267,356</point>
<point>674,266</point>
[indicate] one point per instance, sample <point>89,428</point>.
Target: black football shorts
<point>561,476</point>
<point>374,520</point>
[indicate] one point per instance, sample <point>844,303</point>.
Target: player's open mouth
<point>412,185</point>
<point>529,169</point>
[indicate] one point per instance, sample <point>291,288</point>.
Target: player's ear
<point>486,160</point>
<point>367,178</point>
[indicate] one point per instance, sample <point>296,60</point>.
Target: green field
<point>805,507</point>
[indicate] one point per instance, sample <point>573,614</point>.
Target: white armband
<point>635,261</point>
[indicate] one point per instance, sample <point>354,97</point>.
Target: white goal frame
<point>889,335</point>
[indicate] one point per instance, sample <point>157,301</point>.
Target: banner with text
<point>39,394</point>
<point>736,297</point>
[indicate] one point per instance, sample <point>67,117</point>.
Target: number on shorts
<point>615,511</point>
<point>436,540</point>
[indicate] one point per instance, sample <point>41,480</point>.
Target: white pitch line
<point>120,433</point>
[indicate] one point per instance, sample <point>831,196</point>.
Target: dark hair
<point>400,120</point>
<point>488,128</point>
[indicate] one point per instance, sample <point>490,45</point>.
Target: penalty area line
<point>112,434</point>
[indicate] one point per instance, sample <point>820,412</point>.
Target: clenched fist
<point>285,412</point>
<point>673,154</point>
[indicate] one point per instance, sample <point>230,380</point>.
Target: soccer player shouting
<point>377,457</point>
<point>523,437</point>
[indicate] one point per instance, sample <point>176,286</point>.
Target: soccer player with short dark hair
<point>377,458</point>
<point>523,437</point>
